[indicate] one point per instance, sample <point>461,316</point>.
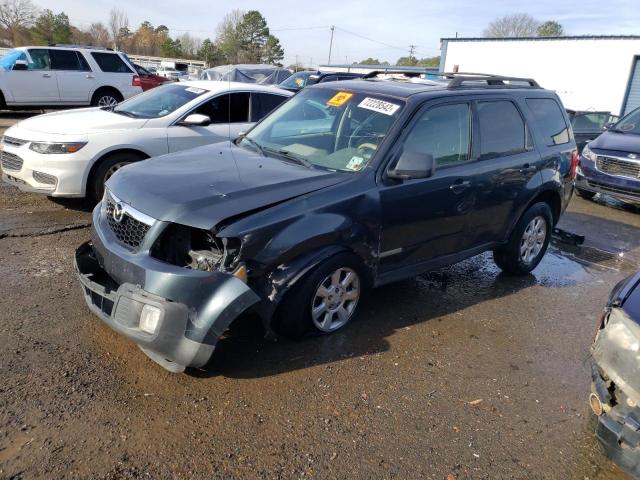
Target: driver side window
<point>443,132</point>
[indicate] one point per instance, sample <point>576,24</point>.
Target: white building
<point>588,72</point>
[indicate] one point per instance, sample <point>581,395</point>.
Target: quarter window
<point>502,129</point>
<point>443,132</point>
<point>110,62</point>
<point>549,120</point>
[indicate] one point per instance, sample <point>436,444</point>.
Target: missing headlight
<point>195,249</point>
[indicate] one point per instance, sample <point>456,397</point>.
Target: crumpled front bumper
<point>196,307</point>
<point>618,427</point>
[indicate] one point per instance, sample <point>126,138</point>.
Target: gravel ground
<point>461,373</point>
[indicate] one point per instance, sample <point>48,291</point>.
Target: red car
<point>147,79</point>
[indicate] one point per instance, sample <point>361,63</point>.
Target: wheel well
<point>137,153</point>
<point>105,89</point>
<point>2,99</point>
<point>553,200</point>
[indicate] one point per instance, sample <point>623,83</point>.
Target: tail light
<point>135,81</point>
<point>575,161</point>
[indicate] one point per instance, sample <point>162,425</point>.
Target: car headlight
<point>56,148</point>
<point>588,154</point>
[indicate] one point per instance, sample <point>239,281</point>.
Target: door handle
<point>526,168</point>
<point>459,186</point>
<point>46,75</point>
<point>90,76</point>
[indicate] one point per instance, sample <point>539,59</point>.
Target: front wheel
<point>104,171</point>
<point>528,241</point>
<point>323,301</point>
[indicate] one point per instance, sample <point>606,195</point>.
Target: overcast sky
<point>389,27</point>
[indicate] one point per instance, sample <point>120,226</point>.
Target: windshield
<point>326,128</point>
<point>629,123</point>
<point>589,121</point>
<point>9,59</point>
<point>160,101</point>
<point>297,80</point>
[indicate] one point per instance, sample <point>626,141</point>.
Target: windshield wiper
<point>289,156</point>
<point>125,113</point>
<point>259,147</point>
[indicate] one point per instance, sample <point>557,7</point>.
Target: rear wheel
<point>586,194</point>
<point>106,97</point>
<point>528,241</point>
<point>323,301</point>
<point>104,171</point>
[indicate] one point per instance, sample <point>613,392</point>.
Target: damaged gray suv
<point>346,186</point>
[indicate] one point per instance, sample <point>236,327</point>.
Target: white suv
<point>66,75</point>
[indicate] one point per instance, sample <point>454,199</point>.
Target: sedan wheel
<point>335,300</point>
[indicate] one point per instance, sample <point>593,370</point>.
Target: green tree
<point>228,36</point>
<point>171,47</point>
<point>272,52</point>
<point>429,62</point>
<point>51,28</point>
<point>550,28</point>
<point>407,61</point>
<point>253,34</point>
<point>371,61</point>
<point>210,53</point>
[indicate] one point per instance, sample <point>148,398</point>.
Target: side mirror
<point>20,65</point>
<point>413,165</point>
<point>609,125</point>
<point>196,120</point>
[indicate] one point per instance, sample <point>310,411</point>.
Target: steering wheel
<point>365,147</point>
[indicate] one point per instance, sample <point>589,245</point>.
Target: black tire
<point>107,167</point>
<point>586,194</point>
<point>510,257</point>
<point>105,97</point>
<point>3,105</point>
<point>294,318</point>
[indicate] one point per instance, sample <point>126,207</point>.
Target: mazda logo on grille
<point>118,212</point>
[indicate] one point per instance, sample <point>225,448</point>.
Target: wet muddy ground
<point>462,372</point>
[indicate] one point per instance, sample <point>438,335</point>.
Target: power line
<point>370,39</point>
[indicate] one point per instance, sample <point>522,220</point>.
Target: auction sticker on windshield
<point>339,99</point>
<point>379,106</point>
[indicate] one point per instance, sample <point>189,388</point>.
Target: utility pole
<point>331,43</point>
<point>296,62</point>
<point>412,49</point>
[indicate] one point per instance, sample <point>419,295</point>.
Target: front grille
<point>618,166</point>
<point>44,178</point>
<point>614,189</point>
<point>10,161</point>
<point>14,142</point>
<point>128,230</point>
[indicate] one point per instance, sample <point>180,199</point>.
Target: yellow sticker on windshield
<point>339,99</point>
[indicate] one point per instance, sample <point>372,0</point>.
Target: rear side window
<point>110,62</point>
<point>264,103</point>
<point>220,110</point>
<point>443,132</point>
<point>502,129</point>
<point>549,120</point>
<point>67,60</point>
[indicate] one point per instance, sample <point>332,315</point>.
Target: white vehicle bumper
<point>54,175</point>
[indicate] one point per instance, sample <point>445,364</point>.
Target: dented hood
<point>203,186</point>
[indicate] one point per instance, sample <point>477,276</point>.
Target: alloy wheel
<point>533,239</point>
<point>335,300</point>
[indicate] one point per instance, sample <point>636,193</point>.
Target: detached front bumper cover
<point>183,337</point>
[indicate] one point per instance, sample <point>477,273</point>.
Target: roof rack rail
<point>73,45</point>
<point>458,79</point>
<point>408,73</point>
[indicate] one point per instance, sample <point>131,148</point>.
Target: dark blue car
<point>610,164</point>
